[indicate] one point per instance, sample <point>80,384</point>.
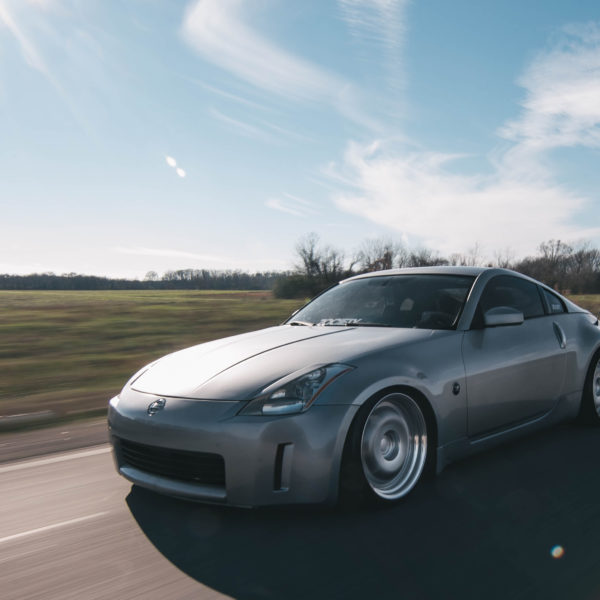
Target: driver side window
<point>505,290</point>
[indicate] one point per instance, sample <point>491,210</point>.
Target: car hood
<point>239,367</point>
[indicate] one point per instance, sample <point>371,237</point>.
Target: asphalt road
<point>70,528</point>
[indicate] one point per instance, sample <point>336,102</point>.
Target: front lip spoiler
<point>163,485</point>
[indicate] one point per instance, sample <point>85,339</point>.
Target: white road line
<point>49,527</point>
<point>54,459</point>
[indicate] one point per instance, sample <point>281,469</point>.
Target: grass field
<point>69,352</point>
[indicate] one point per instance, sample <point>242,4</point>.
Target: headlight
<point>294,396</point>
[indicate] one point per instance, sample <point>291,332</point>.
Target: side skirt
<point>566,408</point>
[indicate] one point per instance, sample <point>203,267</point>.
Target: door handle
<point>560,335</point>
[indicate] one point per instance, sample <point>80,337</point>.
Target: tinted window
<point>521,294</point>
<point>425,301</point>
<point>554,303</point>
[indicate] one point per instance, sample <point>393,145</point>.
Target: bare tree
<point>553,251</point>
<point>307,251</point>
<point>151,276</point>
<point>326,262</point>
<point>504,258</point>
<point>424,257</point>
<point>381,253</point>
<point>472,258</point>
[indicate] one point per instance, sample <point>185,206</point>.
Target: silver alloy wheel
<point>393,447</point>
<point>596,388</point>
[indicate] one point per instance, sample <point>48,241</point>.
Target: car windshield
<point>423,301</point>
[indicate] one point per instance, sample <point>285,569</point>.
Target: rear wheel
<point>386,451</point>
<point>590,402</point>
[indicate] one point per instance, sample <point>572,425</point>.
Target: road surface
<point>70,528</point>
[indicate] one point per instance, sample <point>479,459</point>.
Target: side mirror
<point>503,315</point>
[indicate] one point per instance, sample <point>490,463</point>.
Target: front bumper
<point>267,460</point>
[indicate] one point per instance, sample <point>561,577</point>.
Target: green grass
<point>590,302</point>
<point>71,351</point>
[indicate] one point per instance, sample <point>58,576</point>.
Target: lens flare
<point>180,172</point>
<point>171,161</point>
<point>557,552</point>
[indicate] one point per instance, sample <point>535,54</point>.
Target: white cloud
<point>424,196</point>
<point>217,31</point>
<point>419,196</point>
<point>562,102</point>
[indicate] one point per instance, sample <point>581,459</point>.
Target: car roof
<point>466,271</point>
<point>440,270</point>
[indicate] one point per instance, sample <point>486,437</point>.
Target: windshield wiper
<point>305,323</point>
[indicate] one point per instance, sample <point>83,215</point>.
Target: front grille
<point>198,467</point>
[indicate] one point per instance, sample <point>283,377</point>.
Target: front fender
<point>433,367</point>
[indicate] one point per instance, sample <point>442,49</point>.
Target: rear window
<point>554,303</point>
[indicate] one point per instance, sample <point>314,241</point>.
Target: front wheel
<point>590,402</point>
<point>386,450</point>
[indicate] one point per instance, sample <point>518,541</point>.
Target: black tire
<point>386,451</point>
<point>590,400</point>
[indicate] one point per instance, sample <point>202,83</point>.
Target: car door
<point>513,372</point>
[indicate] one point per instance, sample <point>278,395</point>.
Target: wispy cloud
<point>241,127</point>
<point>423,195</point>
<point>216,29</point>
<point>29,49</point>
<point>282,131</point>
<point>292,205</point>
<point>169,253</point>
<point>376,21</point>
<point>204,260</point>
<point>379,24</point>
<point>225,94</point>
<point>55,39</point>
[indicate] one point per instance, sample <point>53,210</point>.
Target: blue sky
<point>445,125</point>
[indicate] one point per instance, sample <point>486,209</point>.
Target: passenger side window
<point>554,303</point>
<point>514,292</point>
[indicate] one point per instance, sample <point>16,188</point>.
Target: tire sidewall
<point>354,489</point>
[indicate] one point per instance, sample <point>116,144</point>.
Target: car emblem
<point>156,406</point>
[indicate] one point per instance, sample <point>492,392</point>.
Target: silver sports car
<point>378,380</point>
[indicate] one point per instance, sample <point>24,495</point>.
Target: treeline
<point>184,279</point>
<point>570,268</point>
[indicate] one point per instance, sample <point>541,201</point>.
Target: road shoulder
<point>17,445</point>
